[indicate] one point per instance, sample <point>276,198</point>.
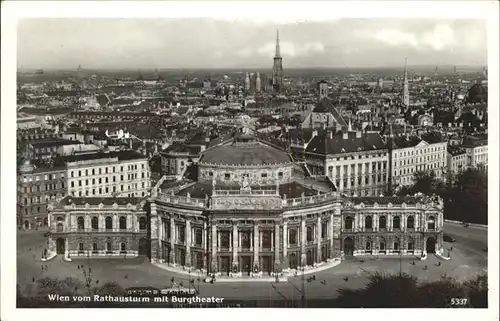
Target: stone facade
<point>267,235</point>
<point>361,173</point>
<point>35,188</point>
<point>242,238</point>
<point>256,175</point>
<point>414,227</point>
<point>98,227</point>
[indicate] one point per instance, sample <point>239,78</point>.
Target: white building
<point>456,159</point>
<point>477,152</point>
<point>118,173</point>
<point>412,154</point>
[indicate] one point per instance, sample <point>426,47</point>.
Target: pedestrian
<point>425,267</point>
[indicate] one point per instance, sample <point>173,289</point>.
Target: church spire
<point>278,52</point>
<point>406,93</point>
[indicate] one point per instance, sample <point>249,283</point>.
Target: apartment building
<point>116,173</point>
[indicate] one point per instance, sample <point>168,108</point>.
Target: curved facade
<point>245,225</point>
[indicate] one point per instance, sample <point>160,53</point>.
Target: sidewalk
<point>283,277</point>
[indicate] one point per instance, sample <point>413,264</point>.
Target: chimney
<point>345,135</point>
<point>329,134</point>
<point>314,133</point>
<point>130,143</point>
<point>358,134</point>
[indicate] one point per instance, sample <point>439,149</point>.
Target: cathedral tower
<point>258,84</point>
<point>277,80</point>
<point>247,83</point>
<point>406,93</point>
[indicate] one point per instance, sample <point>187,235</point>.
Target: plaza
<point>467,260</point>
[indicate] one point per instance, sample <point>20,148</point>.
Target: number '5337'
<point>459,301</point>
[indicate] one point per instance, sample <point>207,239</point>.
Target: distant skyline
<point>209,43</point>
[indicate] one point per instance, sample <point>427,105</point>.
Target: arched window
<point>310,236</point>
<point>80,222</point>
<point>94,248</point>
<point>60,227</point>
<point>368,245</point>
<point>123,223</point>
<point>292,236</point>
<point>431,223</point>
<point>368,222</point>
<point>142,223</point>
<point>108,245</point>
<point>95,223</point>
<point>198,236</point>
<point>382,244</point>
<point>109,223</point>
<point>396,244</point>
<point>80,247</point>
<point>410,222</point>
<point>348,223</point>
<point>396,222</point>
<point>382,222</point>
<point>123,247</point>
<point>411,244</point>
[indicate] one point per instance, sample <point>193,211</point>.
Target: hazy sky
<point>209,43</point>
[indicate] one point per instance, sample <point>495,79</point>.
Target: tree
<point>469,197</point>
<point>403,290</point>
<point>425,183</point>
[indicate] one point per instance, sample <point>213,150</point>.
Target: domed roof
<point>26,166</point>
<point>245,150</point>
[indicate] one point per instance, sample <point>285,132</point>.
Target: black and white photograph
<point>243,159</point>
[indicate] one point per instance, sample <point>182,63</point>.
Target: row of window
<point>227,176</point>
<point>106,180</point>
<point>100,190</point>
<point>375,166</point>
<point>40,199</point>
<point>109,246</point>
<point>100,171</point>
<point>395,246</point>
<point>38,188</point>
<point>108,223</point>
<point>382,222</point>
<point>375,179</point>
<point>359,156</point>
<point>420,151</point>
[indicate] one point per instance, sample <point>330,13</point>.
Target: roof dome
<point>245,150</point>
<point>26,166</point>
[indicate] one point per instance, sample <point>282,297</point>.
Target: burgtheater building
<point>244,212</point>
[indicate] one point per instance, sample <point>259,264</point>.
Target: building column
<point>172,240</point>
<point>115,223</point>
<point>277,245</point>
<point>66,247</point>
<point>303,238</point>
<point>204,244</point>
<point>318,233</point>
<point>341,178</point>
<point>188,242</point>
<point>285,240</point>
<point>235,244</point>
<point>160,237</point>
<point>213,267</point>
<point>370,173</point>
<point>256,243</point>
<point>330,235</point>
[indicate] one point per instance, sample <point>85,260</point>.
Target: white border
<point>266,11</point>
